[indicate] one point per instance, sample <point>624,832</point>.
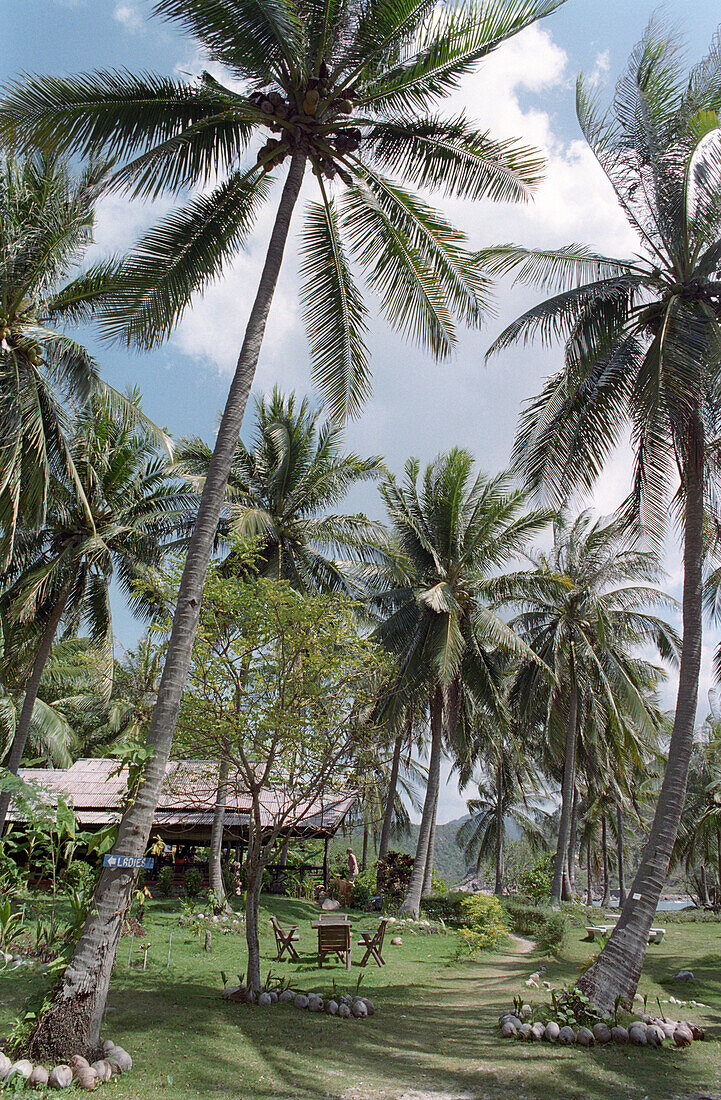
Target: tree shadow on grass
<point>433,1040</point>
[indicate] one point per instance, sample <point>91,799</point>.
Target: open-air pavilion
<point>184,816</point>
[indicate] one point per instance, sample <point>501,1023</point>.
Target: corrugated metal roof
<point>96,788</point>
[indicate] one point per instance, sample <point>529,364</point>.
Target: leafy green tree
<point>643,346</point>
<point>282,492</point>
<point>129,509</point>
<point>277,687</point>
<point>455,530</point>
<point>585,620</point>
<point>351,91</point>
<point>46,221</point>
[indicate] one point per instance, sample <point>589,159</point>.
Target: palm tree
<point>503,743</point>
<point>643,350</point>
<point>348,90</point>
<point>455,532</point>
<point>49,735</point>
<point>282,490</point>
<point>584,622</point>
<point>129,509</point>
<point>279,493</point>
<point>501,796</point>
<point>46,220</point>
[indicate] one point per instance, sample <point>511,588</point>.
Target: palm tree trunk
<point>589,876</point>
<point>412,901</point>
<point>618,968</point>
<point>500,869</point>
<point>567,787</point>
<point>718,865</point>
<point>430,855</point>
<point>392,787</point>
<point>216,836</point>
<point>72,1022</point>
<point>572,841</point>
<point>604,850</point>
<point>364,855</point>
<point>31,694</point>
<point>703,887</point>
<point>619,847</point>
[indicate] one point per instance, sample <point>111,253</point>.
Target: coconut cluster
<point>645,1031</point>
<point>316,113</point>
<point>78,1071</point>
<point>341,1005</point>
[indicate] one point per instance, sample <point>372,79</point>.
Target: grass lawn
<point>433,1033</point>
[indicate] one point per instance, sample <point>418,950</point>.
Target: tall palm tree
<point>282,491</point>
<point>585,622</point>
<point>46,221</point>
<point>349,89</point>
<point>456,531</point>
<point>643,348</point>
<point>130,508</point>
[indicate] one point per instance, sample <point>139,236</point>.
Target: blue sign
<point>143,862</point>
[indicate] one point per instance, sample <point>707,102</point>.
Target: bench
<point>655,935</point>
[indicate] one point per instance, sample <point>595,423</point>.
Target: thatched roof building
<point>185,810</point>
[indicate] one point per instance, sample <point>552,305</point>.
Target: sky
<point>418,407</point>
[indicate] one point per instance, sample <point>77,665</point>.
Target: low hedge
<point>547,927</point>
<point>480,916</point>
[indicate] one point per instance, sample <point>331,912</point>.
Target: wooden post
<point>326,877</point>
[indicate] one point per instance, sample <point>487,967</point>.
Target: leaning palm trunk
<point>72,1022</point>
<point>500,870</point>
<point>412,901</point>
<point>31,694</point>
<point>430,855</point>
<point>589,876</point>
<point>567,786</point>
<point>617,970</point>
<point>216,836</point>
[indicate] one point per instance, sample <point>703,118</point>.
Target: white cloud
<point>129,16</point>
<point>601,67</point>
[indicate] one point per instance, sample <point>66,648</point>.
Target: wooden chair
<point>373,943</point>
<point>334,939</point>
<point>284,939</point>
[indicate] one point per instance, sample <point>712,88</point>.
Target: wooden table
<point>330,920</point>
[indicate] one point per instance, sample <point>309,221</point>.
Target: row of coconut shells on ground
<point>646,1031</point>
<point>343,1005</point>
<point>78,1070</point>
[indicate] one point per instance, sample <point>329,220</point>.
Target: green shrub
<point>546,926</point>
<point>483,915</point>
<point>80,876</point>
<point>445,907</point>
<point>165,881</point>
<point>552,933</point>
<point>193,882</point>
<point>535,882</point>
<point>394,874</point>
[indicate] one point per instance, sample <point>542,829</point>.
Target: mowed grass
<point>433,1034</point>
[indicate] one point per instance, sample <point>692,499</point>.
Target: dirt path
<point>523,946</point>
